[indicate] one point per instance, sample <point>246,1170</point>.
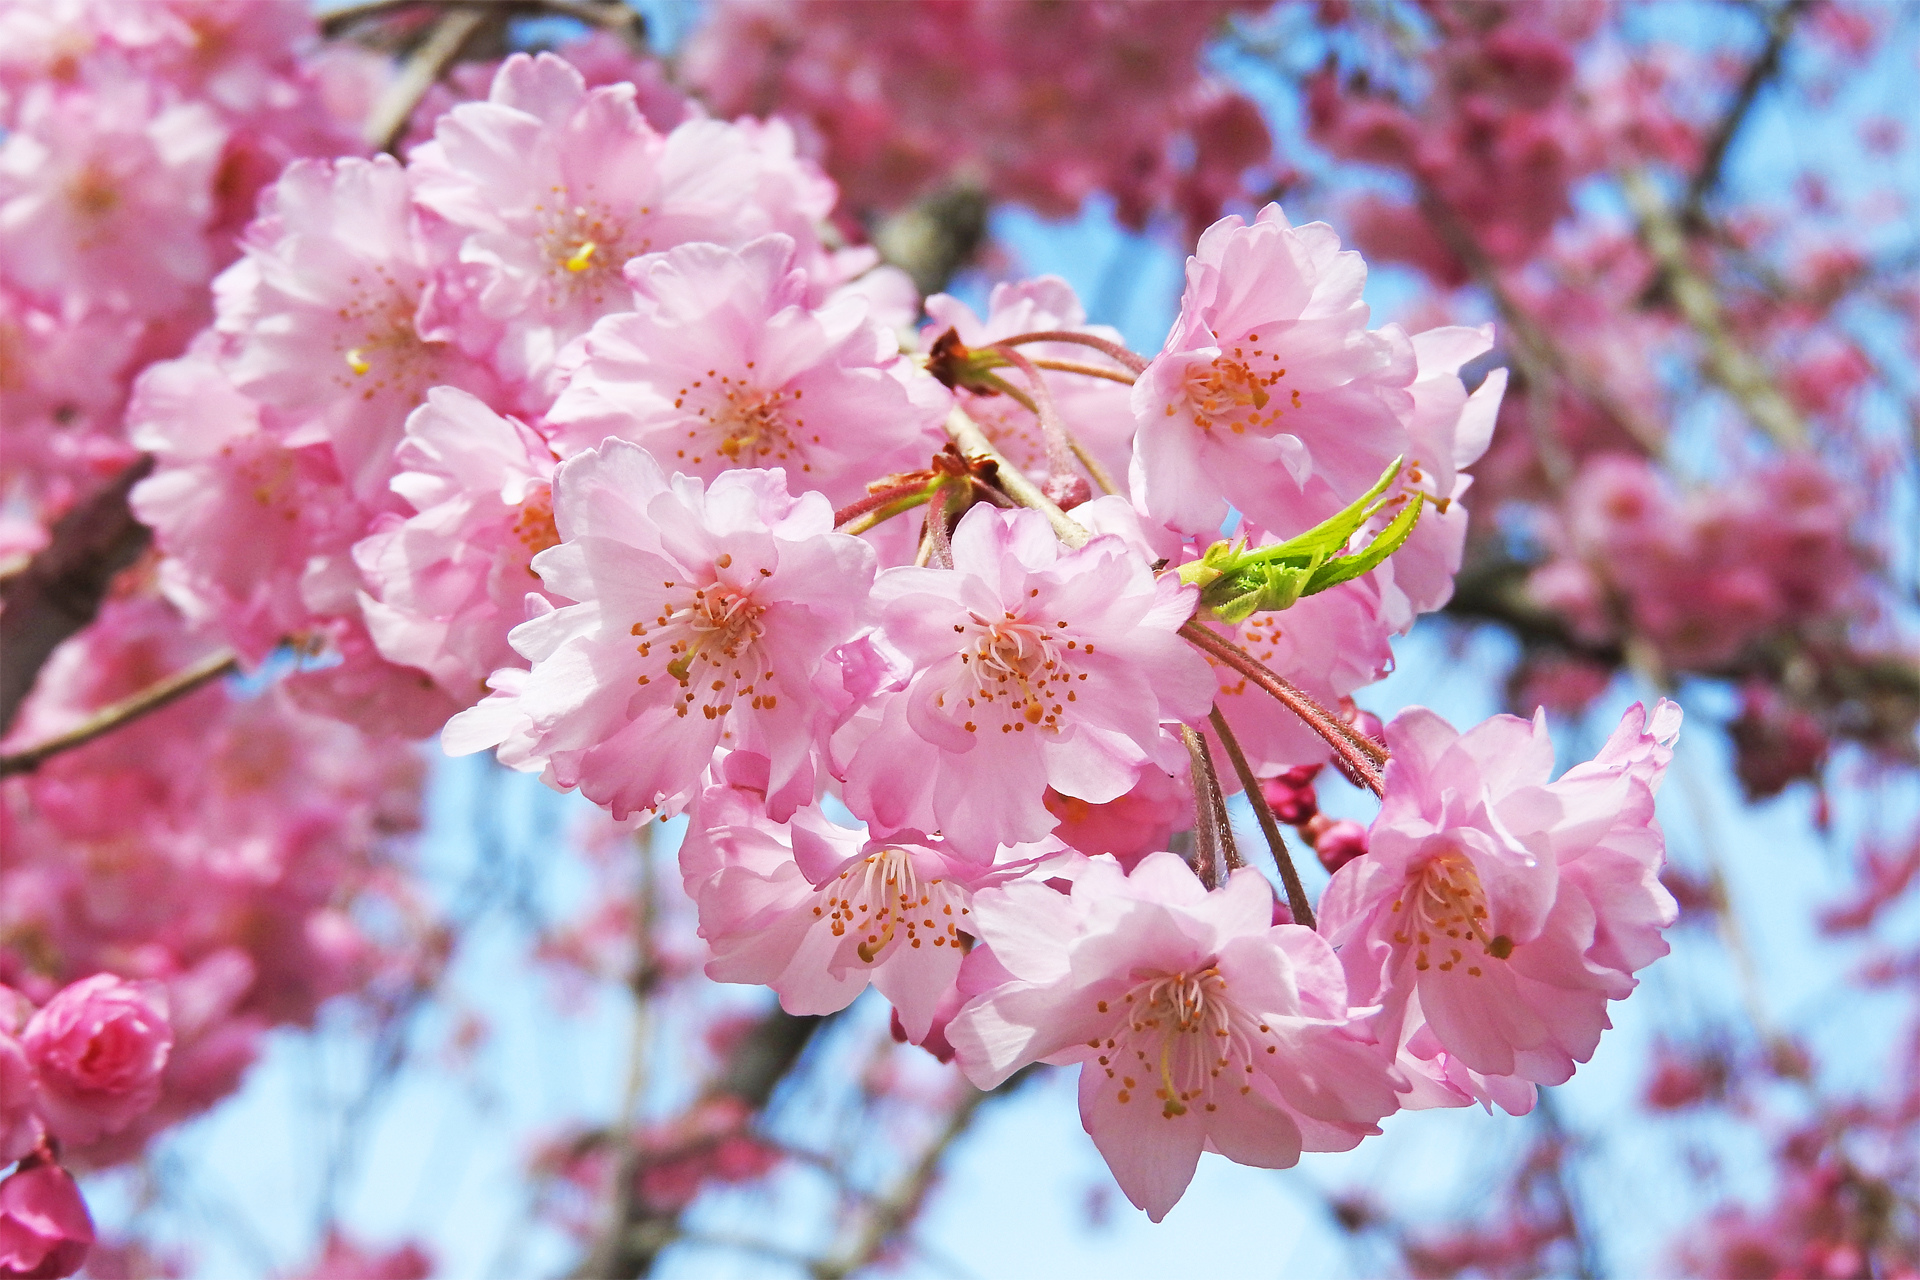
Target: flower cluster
<point>580,435</point>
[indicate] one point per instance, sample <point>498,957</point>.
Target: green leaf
<point>1236,583</point>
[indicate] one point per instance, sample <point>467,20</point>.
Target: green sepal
<point>1236,583</point>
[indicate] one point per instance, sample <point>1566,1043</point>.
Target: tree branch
<point>61,588</point>
<point>125,711</point>
<point>636,1233</point>
<point>1780,24</point>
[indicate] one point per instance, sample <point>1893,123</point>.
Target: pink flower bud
<point>45,1231</point>
<point>1340,843</point>
<point>1067,491</point>
<point>97,1049</point>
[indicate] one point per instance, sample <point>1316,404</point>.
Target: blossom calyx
<point>1236,582</point>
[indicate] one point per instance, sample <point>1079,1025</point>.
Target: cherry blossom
<point>338,315</point>
<point>1269,381</point>
<point>724,363</point>
<point>817,911</point>
<point>713,598</point>
<point>1039,667</point>
<point>1515,907</point>
<point>97,1050</point>
<point>446,584</point>
<point>1126,975</point>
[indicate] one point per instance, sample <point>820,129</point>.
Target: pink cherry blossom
<point>718,599</point>
<point>45,1230</point>
<point>1269,380</point>
<point>725,364</point>
<point>238,513</point>
<point>817,911</point>
<point>1513,906</point>
<point>105,194</point>
<point>20,1129</point>
<point>338,315</point>
<point>1449,430</point>
<point>556,187</point>
<point>446,584</point>
<point>1034,666</point>
<point>1198,1022</point>
<point>97,1050</point>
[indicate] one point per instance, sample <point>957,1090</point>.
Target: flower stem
<point>918,490</point>
<point>1360,755</point>
<point>1053,427</point>
<point>1090,370</point>
<point>967,434</point>
<point>125,711</point>
<point>1114,349</point>
<point>1212,833</point>
<point>1289,875</point>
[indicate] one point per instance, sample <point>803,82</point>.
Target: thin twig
<point>973,441</point>
<point>1360,755</point>
<point>422,70</point>
<point>125,711</point>
<point>1724,361</point>
<point>1132,360</point>
<point>920,490</point>
<point>1780,24</point>
<point>1090,370</point>
<point>1289,875</point>
<point>893,1214</point>
<point>1054,428</point>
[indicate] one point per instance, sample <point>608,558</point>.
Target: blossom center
<point>1020,673</point>
<point>884,899</point>
<point>1186,1031</point>
<point>584,246</point>
<point>711,648</point>
<point>386,351</point>
<point>747,426</point>
<point>1445,908</point>
<point>1242,389</point>
<point>533,527</point>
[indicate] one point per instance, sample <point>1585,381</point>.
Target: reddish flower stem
<point>1362,757</point>
<point>880,498</point>
<point>1053,427</point>
<point>1134,362</point>
<point>1289,874</point>
<point>1090,370</point>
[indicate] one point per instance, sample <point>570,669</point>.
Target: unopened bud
<point>1340,843</point>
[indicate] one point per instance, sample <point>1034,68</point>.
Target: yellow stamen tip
<point>582,256</point>
<point>357,362</point>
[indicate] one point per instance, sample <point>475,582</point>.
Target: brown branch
<point>1289,875</point>
<point>637,1233</point>
<point>61,588</point>
<point>974,443</point>
<point>1528,338</point>
<point>893,1214</point>
<point>452,32</point>
<point>610,15</point>
<point>1780,24</point>
<point>123,712</point>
